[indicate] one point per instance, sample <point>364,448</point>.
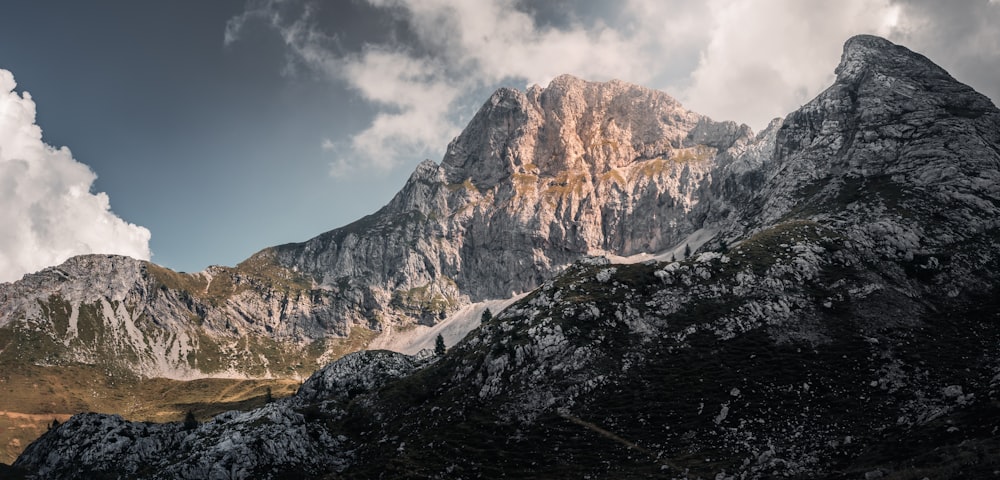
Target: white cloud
<point>49,213</point>
<point>742,60</point>
<point>766,59</point>
<point>961,37</point>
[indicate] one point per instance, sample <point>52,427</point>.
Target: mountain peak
<point>863,53</point>
<point>574,125</point>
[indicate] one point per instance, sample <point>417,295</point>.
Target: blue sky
<point>224,127</point>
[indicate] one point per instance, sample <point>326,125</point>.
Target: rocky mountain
<point>537,180</point>
<point>842,322</point>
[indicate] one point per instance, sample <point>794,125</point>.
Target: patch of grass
<point>651,168</point>
<point>763,248</point>
<point>697,153</point>
<point>467,185</point>
<point>678,158</point>
<point>613,176</point>
<point>166,278</point>
<point>567,183</point>
<point>21,345</point>
<point>57,310</point>
<point>31,397</point>
<point>358,339</point>
<point>260,271</point>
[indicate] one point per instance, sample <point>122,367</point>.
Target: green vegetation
<point>439,347</point>
<point>695,154</point>
<point>761,250</point>
<point>261,271</point>
<point>58,311</point>
<point>165,278</point>
<point>850,190</point>
<point>190,423</point>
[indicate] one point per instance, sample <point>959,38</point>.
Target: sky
<point>196,133</point>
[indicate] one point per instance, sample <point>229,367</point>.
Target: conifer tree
<point>487,316</point>
<point>190,423</point>
<point>439,347</point>
<point>687,250</point>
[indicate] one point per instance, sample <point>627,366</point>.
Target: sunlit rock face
<point>536,180</point>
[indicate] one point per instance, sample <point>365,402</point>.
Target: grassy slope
<point>31,398</point>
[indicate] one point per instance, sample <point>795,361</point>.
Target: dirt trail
<point>62,417</point>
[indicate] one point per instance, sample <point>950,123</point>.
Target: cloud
<point>49,213</point>
<point>766,59</point>
<point>962,37</point>
<point>742,60</point>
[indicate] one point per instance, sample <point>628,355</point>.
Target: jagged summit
<point>881,64</point>
<point>870,52</point>
<point>891,116</point>
<point>576,125</point>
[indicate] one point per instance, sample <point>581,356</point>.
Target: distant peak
<point>869,52</point>
<point>868,41</point>
<point>566,80</point>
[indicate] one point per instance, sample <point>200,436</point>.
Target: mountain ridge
<point>841,324</point>
<point>538,179</point>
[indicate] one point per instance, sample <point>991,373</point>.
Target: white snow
<point>453,329</point>
<point>694,241</point>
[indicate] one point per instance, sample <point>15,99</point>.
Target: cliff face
<point>535,181</point>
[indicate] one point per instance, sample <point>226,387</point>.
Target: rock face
<point>843,323</point>
<point>537,180</point>
<point>131,317</point>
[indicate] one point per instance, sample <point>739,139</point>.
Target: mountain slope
<point>842,324</point>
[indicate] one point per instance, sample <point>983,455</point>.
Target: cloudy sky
<point>200,132</point>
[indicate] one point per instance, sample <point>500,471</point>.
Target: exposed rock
<point>290,434</point>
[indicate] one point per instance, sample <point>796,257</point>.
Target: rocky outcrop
<point>290,434</point>
<point>130,317</point>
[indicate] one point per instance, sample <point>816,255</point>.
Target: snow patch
<point>453,329</point>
